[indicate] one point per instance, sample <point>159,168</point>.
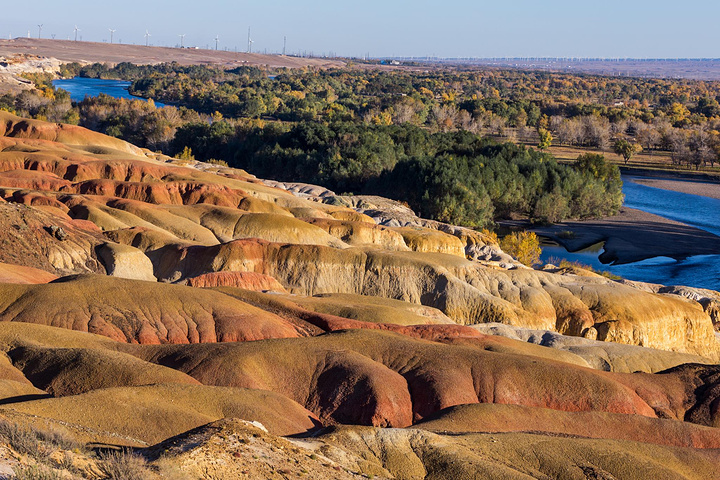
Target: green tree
<point>626,149</point>
<point>546,139</point>
<point>186,154</point>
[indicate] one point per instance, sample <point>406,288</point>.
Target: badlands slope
<point>147,300</point>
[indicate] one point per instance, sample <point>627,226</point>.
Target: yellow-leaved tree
<point>524,246</point>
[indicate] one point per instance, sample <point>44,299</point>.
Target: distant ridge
<point>92,52</point>
<point>677,68</point>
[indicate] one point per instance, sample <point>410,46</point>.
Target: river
<point>80,87</point>
<point>700,212</point>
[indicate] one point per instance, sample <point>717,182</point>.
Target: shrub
<point>221,163</point>
<point>524,246</point>
<point>123,466</point>
<point>491,237</point>
<point>575,264</point>
<point>36,472</point>
<point>566,235</point>
<point>22,439</point>
<point>186,154</point>
<point>34,442</point>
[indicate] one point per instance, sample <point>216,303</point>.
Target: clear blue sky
<point>451,28</point>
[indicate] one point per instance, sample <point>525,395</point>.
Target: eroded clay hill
<point>142,297</point>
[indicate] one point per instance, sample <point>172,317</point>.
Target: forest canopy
<point>439,141</point>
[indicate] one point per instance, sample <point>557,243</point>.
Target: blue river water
<point>79,88</point>
<point>700,212</point>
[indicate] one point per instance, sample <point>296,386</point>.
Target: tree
<point>597,131</point>
<point>648,137</point>
<point>626,149</point>
<point>545,139</point>
<point>570,132</point>
<point>524,246</point>
<point>186,154</point>
<point>551,208</point>
<point>444,117</point>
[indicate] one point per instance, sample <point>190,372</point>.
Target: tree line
<point>333,128</point>
<point>677,116</point>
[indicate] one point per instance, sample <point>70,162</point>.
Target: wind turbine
<point>250,42</point>
<point>147,38</point>
<point>76,31</point>
<point>284,45</point>
<point>40,25</point>
<point>217,38</point>
<point>111,34</point>
<point>182,38</point>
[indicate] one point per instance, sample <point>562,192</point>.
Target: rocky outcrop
<point>362,365</point>
<point>22,128</point>
<point>47,240</point>
<point>126,262</point>
<point>417,454</point>
<point>432,241</point>
<point>233,448</point>
<point>72,371</point>
<point>465,291</point>
<point>10,273</point>
<point>709,299</point>
<point>465,394</point>
<point>145,413</point>
<point>361,233</point>
<point>191,222</point>
<point>608,356</point>
<point>141,312</point>
<point>497,418</point>
<point>244,280</point>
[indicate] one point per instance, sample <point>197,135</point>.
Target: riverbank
<point>690,186</point>
<point>633,236</point>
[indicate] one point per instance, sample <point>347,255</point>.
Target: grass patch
<point>562,263</point>
<point>37,443</point>
<point>123,466</point>
<point>214,161</point>
<point>566,235</point>
<point>36,472</point>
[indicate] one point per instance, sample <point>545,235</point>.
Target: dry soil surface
<point>91,52</point>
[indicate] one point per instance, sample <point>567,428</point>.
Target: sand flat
<point>634,235</point>
<point>703,189</point>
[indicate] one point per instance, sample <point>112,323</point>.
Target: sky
<point>383,28</point>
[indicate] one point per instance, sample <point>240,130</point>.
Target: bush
<point>491,237</point>
<point>220,163</point>
<point>36,472</point>
<point>34,442</point>
<point>575,264</point>
<point>123,466</point>
<point>524,246</point>
<point>566,235</point>
<point>22,439</point>
<point>551,208</point>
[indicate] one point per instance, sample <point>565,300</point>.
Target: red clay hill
<point>144,298</point>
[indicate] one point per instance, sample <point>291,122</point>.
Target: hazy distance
<point>454,28</point>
